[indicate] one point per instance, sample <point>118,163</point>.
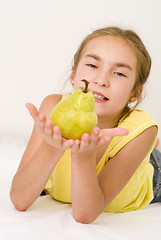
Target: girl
<point>108,170</point>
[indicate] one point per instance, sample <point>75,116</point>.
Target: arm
<point>43,151</point>
<point>91,194</point>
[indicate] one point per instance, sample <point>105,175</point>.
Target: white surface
<point>39,38</point>
<point>48,219</point>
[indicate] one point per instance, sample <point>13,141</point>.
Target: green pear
<point>76,114</point>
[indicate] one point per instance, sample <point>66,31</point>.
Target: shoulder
<point>138,121</point>
<point>139,148</point>
<point>49,103</point>
<point>138,117</point>
<point>139,124</point>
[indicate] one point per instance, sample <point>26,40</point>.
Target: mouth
<point>99,97</point>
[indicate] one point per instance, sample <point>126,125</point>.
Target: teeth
<point>98,96</point>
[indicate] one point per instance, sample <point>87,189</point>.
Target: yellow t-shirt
<point>137,193</point>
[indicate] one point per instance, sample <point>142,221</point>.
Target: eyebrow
<point>93,56</point>
<point>117,64</point>
<point>120,64</point>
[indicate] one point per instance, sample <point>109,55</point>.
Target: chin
<point>101,113</point>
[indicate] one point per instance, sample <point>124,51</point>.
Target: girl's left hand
<point>97,138</point>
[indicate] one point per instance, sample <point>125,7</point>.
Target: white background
<point>39,38</point>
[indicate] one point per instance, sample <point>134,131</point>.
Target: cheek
<point>75,86</point>
<point>122,94</point>
<point>84,72</point>
<point>81,75</point>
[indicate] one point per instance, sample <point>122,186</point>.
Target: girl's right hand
<point>49,133</point>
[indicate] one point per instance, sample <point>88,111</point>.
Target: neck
<point>107,122</point>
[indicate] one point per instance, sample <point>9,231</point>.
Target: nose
<point>102,80</point>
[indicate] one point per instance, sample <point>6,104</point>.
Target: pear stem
<point>86,85</point>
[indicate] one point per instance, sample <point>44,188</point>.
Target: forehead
<point>111,48</point>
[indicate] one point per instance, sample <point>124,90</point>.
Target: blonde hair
<point>143,57</point>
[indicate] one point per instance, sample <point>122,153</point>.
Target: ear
<point>72,79</point>
<point>135,94</point>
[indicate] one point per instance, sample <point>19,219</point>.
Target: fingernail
<point>48,124</point>
<point>96,132</point>
<point>56,129</point>
<point>85,137</point>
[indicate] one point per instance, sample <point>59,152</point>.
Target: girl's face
<point>109,64</point>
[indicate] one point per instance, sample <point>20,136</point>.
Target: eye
<point>120,74</point>
<point>92,65</point>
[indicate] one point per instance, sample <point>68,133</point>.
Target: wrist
<point>83,156</point>
<point>51,149</point>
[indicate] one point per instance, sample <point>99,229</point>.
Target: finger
<point>32,110</point>
<point>57,137</point>
<point>48,128</point>
<point>76,146</point>
<point>104,140</point>
<point>41,122</point>
<point>84,140</point>
<point>71,142</point>
<point>114,132</point>
<point>68,143</point>
<point>94,136</point>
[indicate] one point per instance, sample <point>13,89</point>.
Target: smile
<point>99,97</point>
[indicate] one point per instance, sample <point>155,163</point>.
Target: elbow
<point>19,208</point>
<point>17,203</point>
<point>84,218</point>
